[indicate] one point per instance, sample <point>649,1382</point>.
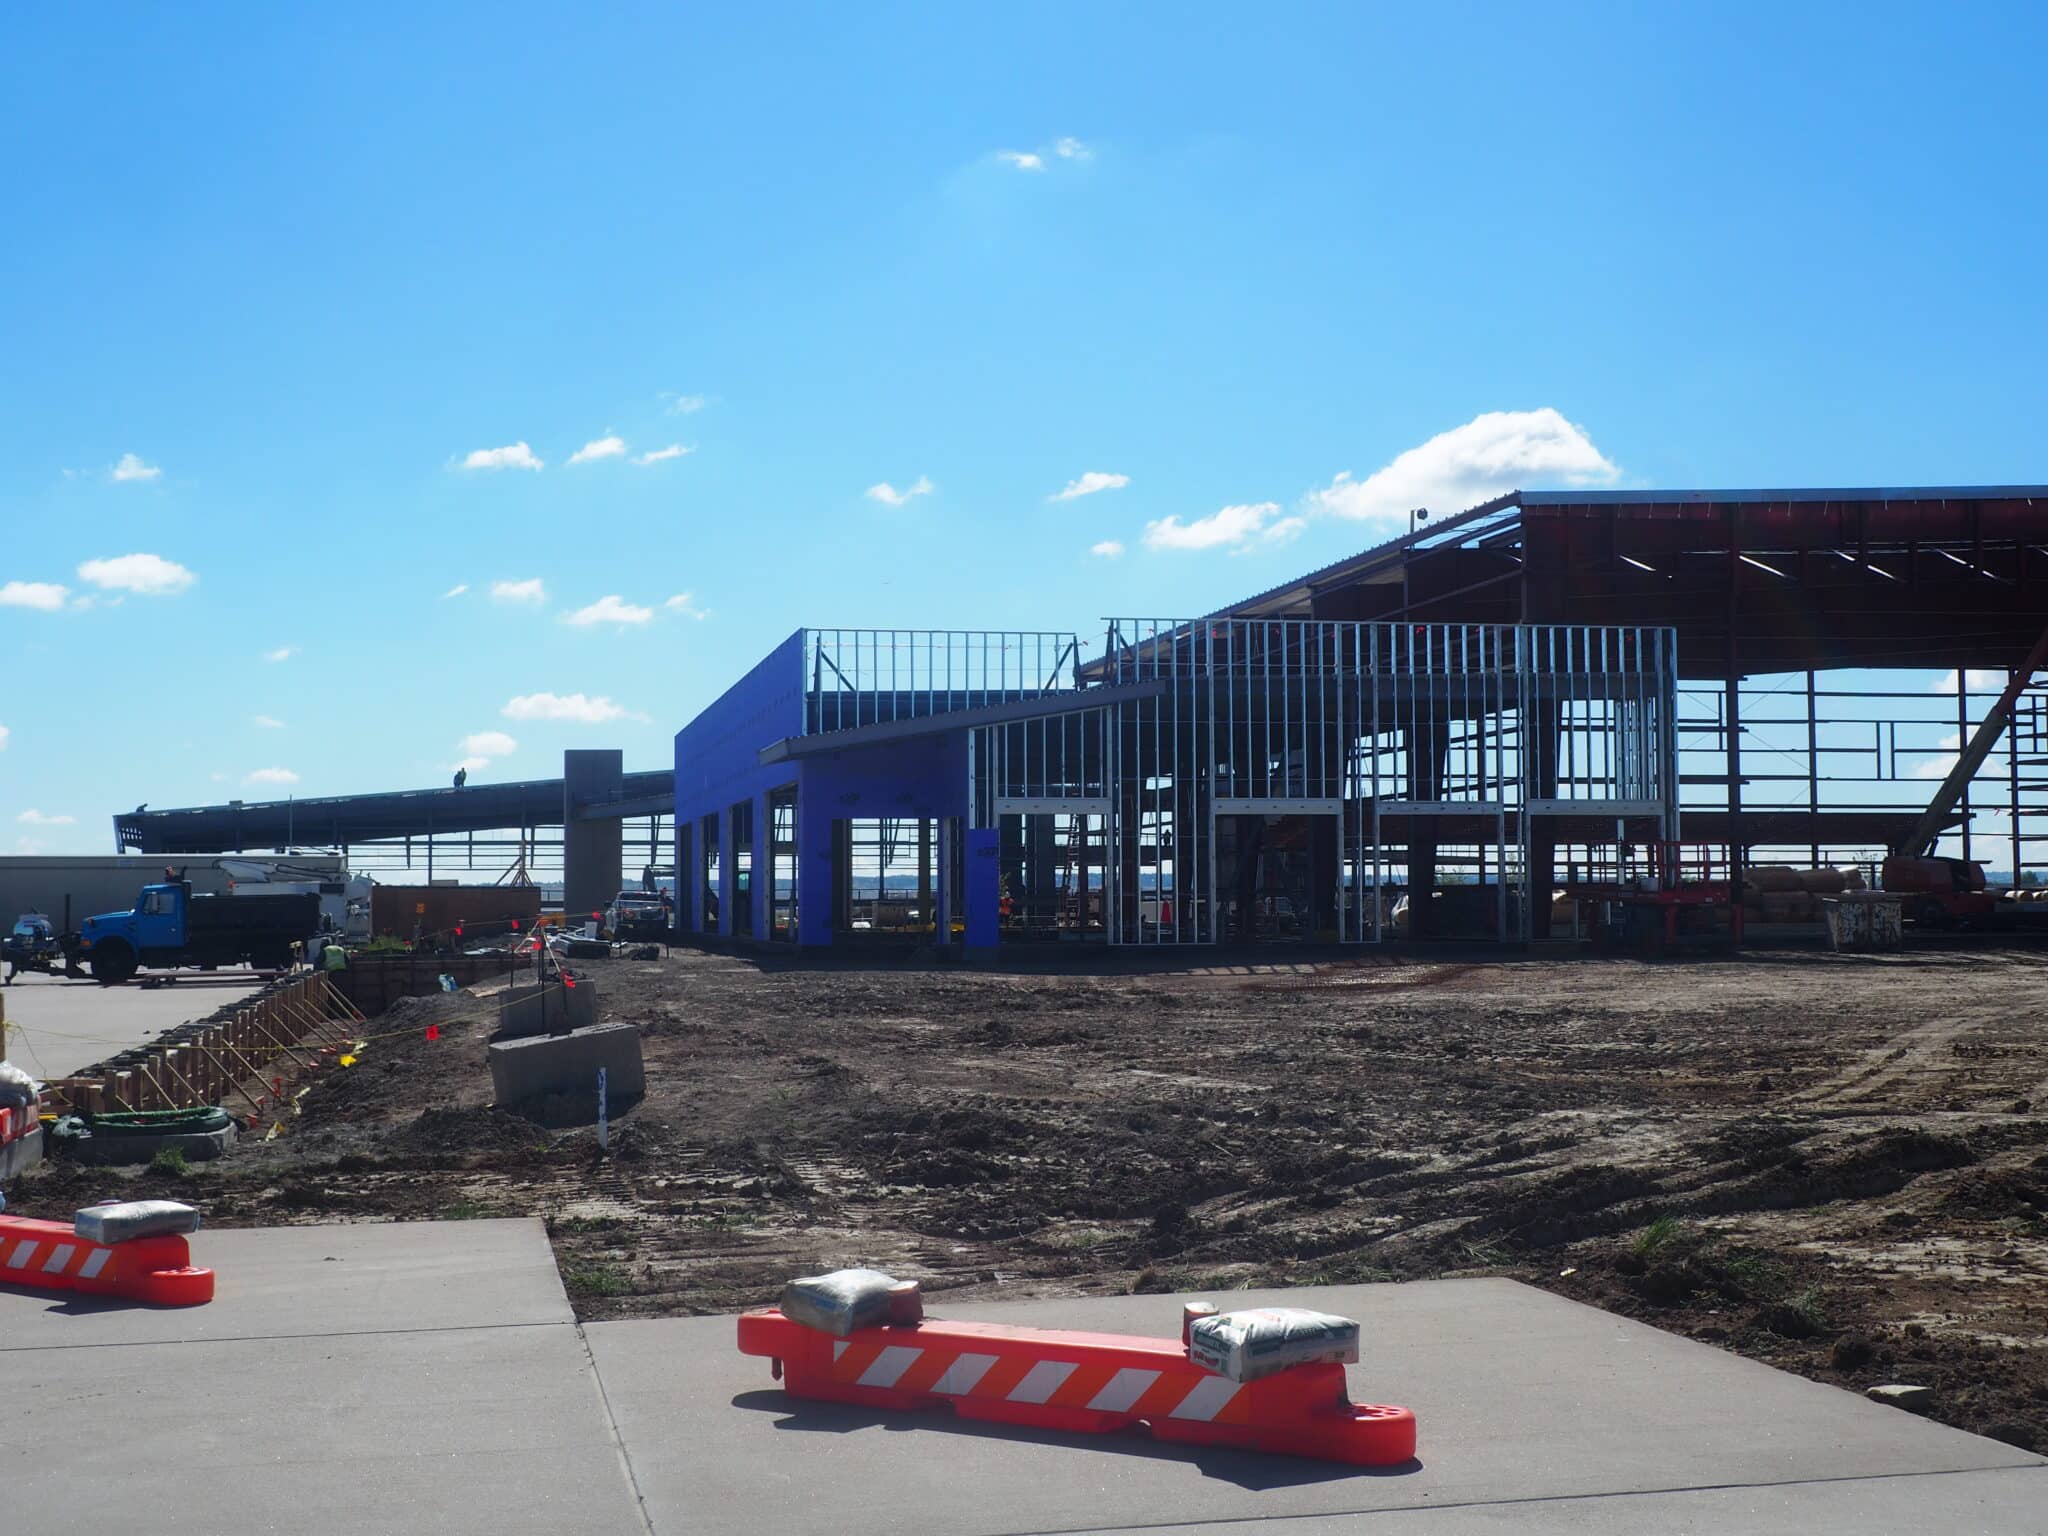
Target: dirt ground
<point>1835,1164</point>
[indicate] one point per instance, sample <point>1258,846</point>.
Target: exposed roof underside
<point>1755,581</point>
<point>335,820</point>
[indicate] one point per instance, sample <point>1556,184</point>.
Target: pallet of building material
<point>1773,879</point>
<point>1788,907</point>
<point>106,1140</point>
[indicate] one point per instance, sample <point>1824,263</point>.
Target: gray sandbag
<point>120,1220</point>
<point>1247,1345</point>
<point>848,1299</point>
<point>17,1089</point>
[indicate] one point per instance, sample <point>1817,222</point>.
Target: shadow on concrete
<point>1246,1469</point>
<point>78,1304</point>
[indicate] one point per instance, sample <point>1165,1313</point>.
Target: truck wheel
<point>113,964</point>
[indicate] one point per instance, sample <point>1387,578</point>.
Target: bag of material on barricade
<point>1247,1345</point>
<point>17,1089</point>
<point>847,1299</point>
<point>120,1220</point>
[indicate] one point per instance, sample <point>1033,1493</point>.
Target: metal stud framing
<point>1386,730</point>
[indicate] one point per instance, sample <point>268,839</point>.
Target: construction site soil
<point>1837,1164</point>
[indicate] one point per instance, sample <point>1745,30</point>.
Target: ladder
<point>1073,907</point>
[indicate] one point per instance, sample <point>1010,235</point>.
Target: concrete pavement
<point>57,1027</point>
<point>1532,1411</point>
<point>430,1376</point>
<point>346,1380</point>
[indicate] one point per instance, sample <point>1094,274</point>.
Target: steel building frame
<point>1808,621</point>
<point>1376,734</point>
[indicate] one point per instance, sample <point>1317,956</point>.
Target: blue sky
<point>301,266</point>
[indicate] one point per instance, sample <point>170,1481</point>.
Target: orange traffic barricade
<point>1091,1383</point>
<point>48,1254</point>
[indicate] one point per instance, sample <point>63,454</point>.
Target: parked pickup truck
<point>169,926</point>
<point>637,915</point>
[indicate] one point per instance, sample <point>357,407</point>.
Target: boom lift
<point>1947,893</point>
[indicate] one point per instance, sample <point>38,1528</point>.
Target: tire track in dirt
<point>1924,1052</point>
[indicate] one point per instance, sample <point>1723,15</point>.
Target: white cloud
<point>1493,453</point>
<point>610,446</point>
<point>35,818</point>
<point>1936,767</point>
<point>271,776</point>
<point>1089,483</point>
<point>150,575</point>
<point>566,706</point>
<point>282,653</point>
<point>889,496</point>
<point>46,595</point>
<point>4,734</point>
<point>1981,680</point>
<point>609,609</point>
<point>489,744</point>
<point>1109,549</point>
<point>686,605</point>
<point>471,765</point>
<point>130,467</point>
<point>1066,148</point>
<point>532,590</point>
<point>268,722</point>
<point>684,405</point>
<point>1286,529</point>
<point>1225,526</point>
<point>514,456</point>
<point>661,455</point>
<point>457,590</point>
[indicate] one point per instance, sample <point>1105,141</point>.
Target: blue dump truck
<point>171,927</point>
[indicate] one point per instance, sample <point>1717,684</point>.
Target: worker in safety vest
<point>333,958</point>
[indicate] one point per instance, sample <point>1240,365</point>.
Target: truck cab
<point>169,926</point>
<point>116,944</point>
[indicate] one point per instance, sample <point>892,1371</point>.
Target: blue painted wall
<point>717,754</point>
<point>718,763</point>
<point>982,909</point>
<point>927,777</point>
